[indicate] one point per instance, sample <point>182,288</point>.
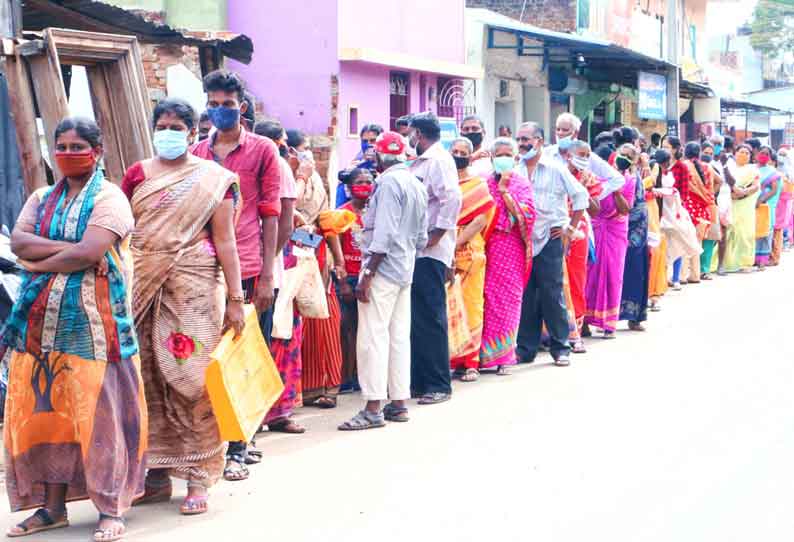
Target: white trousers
<point>383,343</point>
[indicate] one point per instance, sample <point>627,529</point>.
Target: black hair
<point>205,117</point>
<point>86,128</point>
<point>604,138</point>
<point>178,107</point>
<point>271,129</point>
<point>661,156</point>
<point>346,176</point>
<point>754,143</point>
<point>623,135</point>
<point>225,81</point>
<point>250,111</point>
<point>295,138</point>
<point>403,121</point>
<point>745,146</point>
<point>767,147</point>
<point>728,143</point>
<point>603,151</point>
<point>692,150</point>
<point>706,145</point>
<point>377,128</point>
<point>675,143</point>
<point>427,124</point>
<point>656,138</point>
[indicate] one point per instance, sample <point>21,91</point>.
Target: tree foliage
<point>773,26</point>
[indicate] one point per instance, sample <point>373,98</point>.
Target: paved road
<point>683,433</point>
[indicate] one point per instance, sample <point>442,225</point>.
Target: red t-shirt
<point>350,250</point>
<point>255,161</point>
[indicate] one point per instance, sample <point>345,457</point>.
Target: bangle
<point>237,298</point>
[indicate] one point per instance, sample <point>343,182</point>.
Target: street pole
<point>673,115</point>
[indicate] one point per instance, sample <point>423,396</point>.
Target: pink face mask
<point>763,159</point>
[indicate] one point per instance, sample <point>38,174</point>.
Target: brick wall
<point>158,57</point>
<point>559,15</point>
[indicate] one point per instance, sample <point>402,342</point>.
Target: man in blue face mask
<point>543,296</point>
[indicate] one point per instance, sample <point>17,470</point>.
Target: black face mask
<point>461,162</point>
<point>705,158</point>
<point>475,138</point>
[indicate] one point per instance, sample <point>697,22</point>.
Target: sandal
<point>636,326</point>
<point>45,522</point>
<point>253,457</point>
<point>155,491</point>
<point>110,535</point>
<point>286,426</point>
<point>578,347</point>
<point>503,370</point>
<point>324,402</point>
<point>235,470</point>
<point>364,420</point>
<point>434,398</point>
<point>193,505</point>
<point>471,375</point>
<point>395,414</point>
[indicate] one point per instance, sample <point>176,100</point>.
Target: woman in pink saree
<point>508,252</point>
<point>605,276</point>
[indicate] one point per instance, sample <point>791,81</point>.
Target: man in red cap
<point>394,228</point>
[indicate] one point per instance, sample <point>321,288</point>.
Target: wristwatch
<point>237,298</point>
<point>367,272</point>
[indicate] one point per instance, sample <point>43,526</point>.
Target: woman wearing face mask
<point>771,187</point>
<point>740,238</point>
<point>579,248</point>
<point>713,170</point>
<point>696,187</point>
<point>610,229</point>
<point>657,240</point>
<point>187,292</point>
<point>361,188</point>
<point>475,213</point>
<point>508,257</point>
<point>77,429</point>
<point>784,206</point>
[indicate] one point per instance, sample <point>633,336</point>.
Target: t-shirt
<point>287,190</point>
<point>350,249</point>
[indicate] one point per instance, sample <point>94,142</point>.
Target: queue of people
<point>435,263</point>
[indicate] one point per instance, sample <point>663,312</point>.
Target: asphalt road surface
<point>683,433</point>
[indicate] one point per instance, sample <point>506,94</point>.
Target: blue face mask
<point>529,155</point>
<point>364,146</point>
<point>565,143</point>
<point>503,164</point>
<point>170,144</point>
<point>717,149</point>
<point>223,118</point>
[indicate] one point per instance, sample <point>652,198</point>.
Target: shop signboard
<point>652,96</point>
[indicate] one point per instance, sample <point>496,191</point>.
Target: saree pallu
<point>75,413</point>
<point>470,265</point>
<point>508,263</point>
<point>740,238</point>
<point>605,276</point>
<point>763,245</point>
<point>634,299</point>
<point>657,266</point>
<point>322,353</point>
<point>179,304</point>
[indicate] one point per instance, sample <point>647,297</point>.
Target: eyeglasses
<point>525,139</point>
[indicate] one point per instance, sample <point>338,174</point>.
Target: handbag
<point>458,324</point>
<point>242,381</point>
<point>763,224</point>
<point>310,298</point>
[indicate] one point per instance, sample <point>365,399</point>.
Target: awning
<point>691,89</point>
<point>601,60</point>
<point>738,106</point>
<point>95,16</point>
<point>409,62</point>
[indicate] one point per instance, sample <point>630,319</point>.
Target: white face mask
<point>579,162</point>
<point>305,156</point>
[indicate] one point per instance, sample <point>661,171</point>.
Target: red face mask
<point>361,191</point>
<point>763,159</point>
<point>75,164</point>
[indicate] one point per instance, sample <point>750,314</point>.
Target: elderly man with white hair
<point>567,130</point>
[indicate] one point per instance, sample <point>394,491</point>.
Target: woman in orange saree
<point>475,214</point>
<point>184,247</point>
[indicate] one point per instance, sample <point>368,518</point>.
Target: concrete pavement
<point>682,433</point>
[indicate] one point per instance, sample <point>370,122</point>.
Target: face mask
<point>75,164</point>
<point>475,138</point>
<point>503,164</point>
<point>361,191</point>
<point>364,146</point>
<point>706,158</point>
<point>461,162</point>
<point>305,156</point>
<point>580,162</point>
<point>717,149</point>
<point>762,160</point>
<point>529,155</point>
<point>565,143</point>
<point>170,144</point>
<point>622,163</point>
<point>224,118</point>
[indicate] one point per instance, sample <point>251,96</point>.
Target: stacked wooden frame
<point>118,89</point>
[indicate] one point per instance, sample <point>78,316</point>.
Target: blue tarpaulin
<point>12,186</point>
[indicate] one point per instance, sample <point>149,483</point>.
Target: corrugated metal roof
<point>96,16</point>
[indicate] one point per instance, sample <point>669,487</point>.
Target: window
<point>352,121</point>
<point>399,99</point>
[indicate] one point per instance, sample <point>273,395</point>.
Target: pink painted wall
<point>295,55</point>
<point>431,29</point>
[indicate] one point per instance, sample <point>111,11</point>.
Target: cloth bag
<point>763,223</point>
<point>302,284</point>
<point>242,381</point>
<point>458,324</point>
<point>310,298</point>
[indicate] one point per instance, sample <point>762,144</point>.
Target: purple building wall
<point>295,55</point>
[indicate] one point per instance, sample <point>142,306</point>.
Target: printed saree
<point>179,303</point>
<point>470,265</point>
<point>634,299</point>
<point>75,412</point>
